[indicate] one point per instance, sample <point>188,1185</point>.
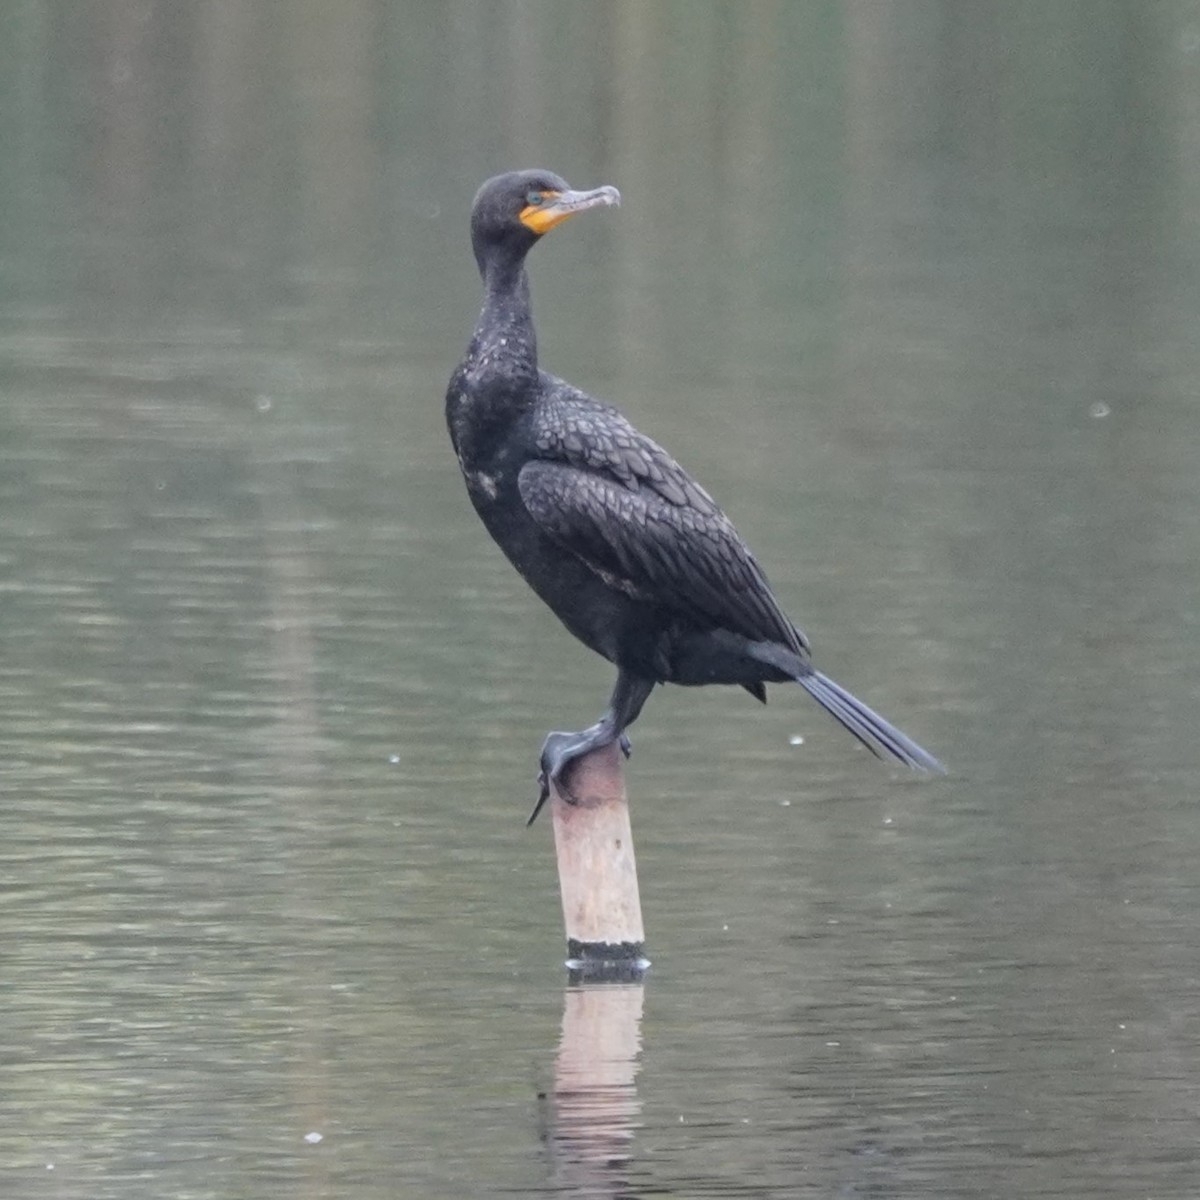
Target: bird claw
<point>544,779</point>
<point>559,752</point>
<point>543,796</point>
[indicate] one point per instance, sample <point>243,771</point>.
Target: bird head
<point>512,211</point>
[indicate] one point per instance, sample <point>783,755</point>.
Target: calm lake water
<point>914,289</point>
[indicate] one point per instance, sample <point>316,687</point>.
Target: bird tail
<point>880,737</point>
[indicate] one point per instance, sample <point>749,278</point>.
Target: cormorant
<point>629,552</point>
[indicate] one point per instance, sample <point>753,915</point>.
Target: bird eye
<point>534,197</point>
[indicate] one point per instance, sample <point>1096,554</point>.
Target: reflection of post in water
<point>593,1109</point>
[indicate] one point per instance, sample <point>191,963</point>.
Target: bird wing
<point>621,504</point>
<point>577,429</point>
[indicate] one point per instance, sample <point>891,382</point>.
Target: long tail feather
<point>879,736</point>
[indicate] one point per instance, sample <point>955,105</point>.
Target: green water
<point>912,288</point>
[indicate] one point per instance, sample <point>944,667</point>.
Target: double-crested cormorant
<point>630,553</point>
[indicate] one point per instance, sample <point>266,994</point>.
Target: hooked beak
<point>558,206</point>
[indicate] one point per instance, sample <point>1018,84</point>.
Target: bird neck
<point>504,333</point>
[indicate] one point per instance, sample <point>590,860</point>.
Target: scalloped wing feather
<point>639,538</point>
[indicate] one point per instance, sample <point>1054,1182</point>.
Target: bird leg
<point>560,750</point>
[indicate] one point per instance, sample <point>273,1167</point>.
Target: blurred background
<point>913,287</point>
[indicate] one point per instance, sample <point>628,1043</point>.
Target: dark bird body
<point>631,554</point>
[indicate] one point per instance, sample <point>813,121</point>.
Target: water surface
<point>914,293</point>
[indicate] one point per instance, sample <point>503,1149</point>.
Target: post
<point>597,872</point>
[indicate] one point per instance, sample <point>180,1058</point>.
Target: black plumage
<point>631,554</point>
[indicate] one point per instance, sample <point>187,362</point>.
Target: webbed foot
<point>560,750</point>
